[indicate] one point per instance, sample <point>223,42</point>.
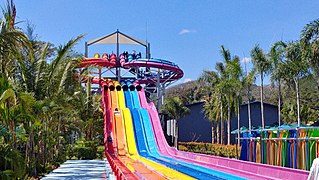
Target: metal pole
<point>248,104</point>
<point>295,150</point>
<point>148,56</point>
<point>163,93</point>
<point>148,51</point>
<point>86,51</point>
<point>118,70</point>
<point>238,122</point>
<point>262,147</point>
<point>158,85</point>
<point>100,77</point>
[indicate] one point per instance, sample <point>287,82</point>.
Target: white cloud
<point>246,60</point>
<point>187,80</point>
<point>186,31</point>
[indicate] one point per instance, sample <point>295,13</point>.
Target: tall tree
<point>221,95</point>
<point>213,101</point>
<point>310,46</point>
<point>276,59</point>
<point>176,110</point>
<point>38,100</point>
<point>226,83</point>
<point>12,40</point>
<point>262,66</point>
<point>231,84</point>
<point>212,116</point>
<point>236,86</point>
<point>248,82</point>
<point>294,68</point>
<point>222,83</point>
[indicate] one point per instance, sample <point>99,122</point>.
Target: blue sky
<point>187,32</point>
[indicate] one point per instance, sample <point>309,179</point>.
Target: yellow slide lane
<point>131,145</point>
<point>116,116</point>
<point>134,166</point>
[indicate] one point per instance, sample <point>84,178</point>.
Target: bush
<point>100,152</point>
<point>83,149</point>
<point>211,149</point>
<point>84,152</point>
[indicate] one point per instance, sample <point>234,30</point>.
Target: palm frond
<point>9,93</point>
<point>40,63</point>
<point>62,52</point>
<point>64,76</point>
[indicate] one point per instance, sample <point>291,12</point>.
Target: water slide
<point>137,149</point>
<point>123,147</point>
<point>240,168</point>
<point>147,145</point>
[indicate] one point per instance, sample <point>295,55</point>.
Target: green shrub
<point>100,152</point>
<point>85,152</point>
<point>211,149</point>
<point>83,149</point>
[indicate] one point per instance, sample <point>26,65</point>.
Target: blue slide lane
<point>147,147</point>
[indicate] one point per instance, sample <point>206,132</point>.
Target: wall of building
<point>194,127</point>
<point>270,115</point>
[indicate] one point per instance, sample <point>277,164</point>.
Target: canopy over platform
<point>117,38</point>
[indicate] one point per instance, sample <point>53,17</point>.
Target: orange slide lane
<point>116,117</point>
<point>120,170</point>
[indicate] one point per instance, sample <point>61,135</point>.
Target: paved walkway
<point>82,169</point>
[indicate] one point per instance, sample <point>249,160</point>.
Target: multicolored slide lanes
<point>136,148</point>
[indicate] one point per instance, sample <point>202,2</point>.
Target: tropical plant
<point>224,84</point>
<point>294,68</point>
<point>261,66</point>
<point>40,101</point>
<point>276,55</point>
<point>248,81</point>
<point>310,46</point>
<point>215,99</point>
<point>12,41</point>
<point>227,86</point>
<point>231,85</point>
<point>174,108</point>
<point>237,84</point>
<point>212,103</point>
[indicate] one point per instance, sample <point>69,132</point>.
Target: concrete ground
<point>82,169</point>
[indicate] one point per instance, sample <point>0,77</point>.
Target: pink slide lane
<point>240,168</point>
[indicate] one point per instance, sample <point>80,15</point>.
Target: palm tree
<point>38,94</point>
<point>213,104</point>
<point>11,42</point>
<point>248,81</point>
<point>276,59</point>
<point>14,111</point>
<point>8,101</point>
<point>310,46</point>
<point>219,93</point>
<point>176,110</point>
<point>211,116</point>
<point>294,68</point>
<point>236,83</point>
<point>232,85</point>
<point>262,66</point>
<point>226,83</point>
<point>9,156</point>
